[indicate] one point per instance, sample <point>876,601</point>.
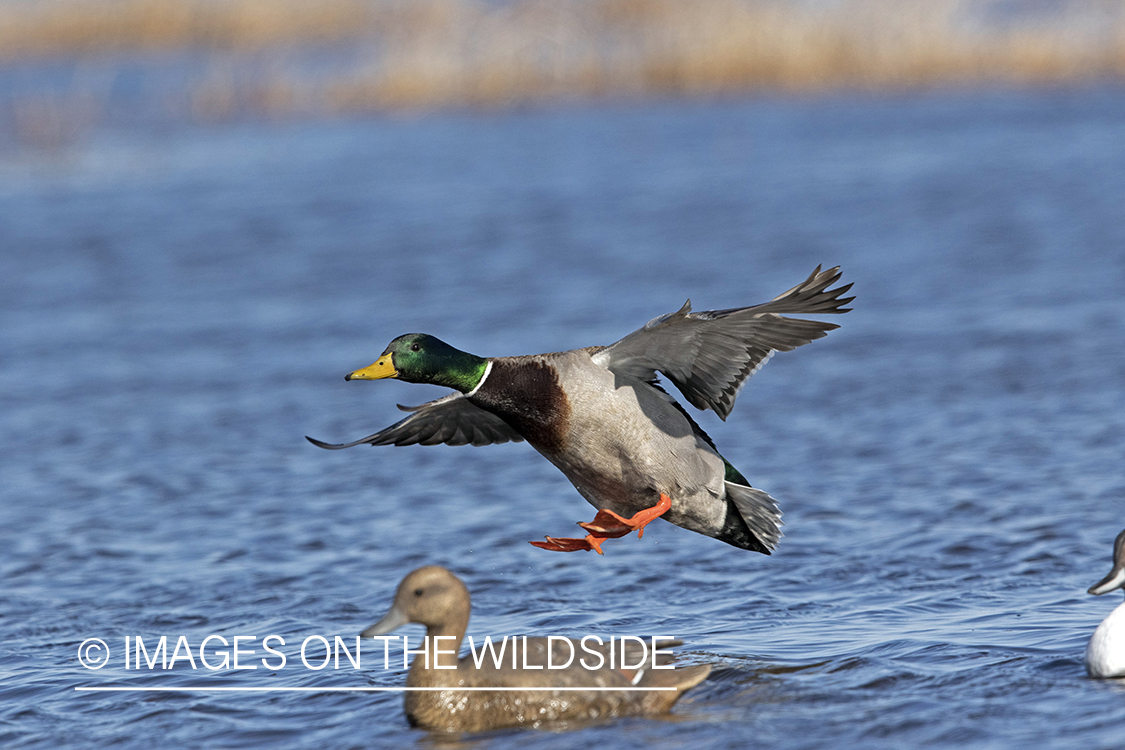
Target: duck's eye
<point>417,592</point>
<point>415,348</point>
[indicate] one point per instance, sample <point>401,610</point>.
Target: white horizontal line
<point>108,689</point>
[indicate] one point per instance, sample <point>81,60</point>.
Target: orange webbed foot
<point>608,525</point>
<point>570,544</point>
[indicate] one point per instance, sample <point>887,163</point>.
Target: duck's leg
<point>607,525</point>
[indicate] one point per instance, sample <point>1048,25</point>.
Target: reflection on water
<point>178,313</point>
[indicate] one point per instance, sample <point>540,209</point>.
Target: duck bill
<point>1115,579</point>
<point>383,368</point>
<point>393,620</point>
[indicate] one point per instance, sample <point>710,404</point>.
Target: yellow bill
<point>383,368</point>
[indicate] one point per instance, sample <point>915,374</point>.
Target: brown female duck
<point>436,598</point>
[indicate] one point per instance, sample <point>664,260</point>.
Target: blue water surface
<point>178,308</point>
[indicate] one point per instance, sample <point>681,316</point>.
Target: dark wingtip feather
<point>324,445</point>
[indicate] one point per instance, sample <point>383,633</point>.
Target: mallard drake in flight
<point>599,415</point>
<point>634,681</point>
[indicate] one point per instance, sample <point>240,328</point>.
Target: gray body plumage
<point>623,442</point>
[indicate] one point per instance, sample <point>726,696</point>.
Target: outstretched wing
<point>709,355</point>
<point>452,420</point>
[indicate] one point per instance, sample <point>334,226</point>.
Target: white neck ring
<point>487,369</point>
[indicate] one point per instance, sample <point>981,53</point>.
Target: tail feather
<point>759,511</point>
<point>681,678</point>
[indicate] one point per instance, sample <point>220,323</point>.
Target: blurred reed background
<point>67,66</point>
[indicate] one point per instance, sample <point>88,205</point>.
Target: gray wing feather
<point>452,420</point>
<point>709,355</point>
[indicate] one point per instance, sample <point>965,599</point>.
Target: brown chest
<point>525,393</point>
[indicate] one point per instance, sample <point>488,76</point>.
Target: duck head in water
<point>431,596</point>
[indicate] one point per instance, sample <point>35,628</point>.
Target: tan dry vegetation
<point>537,49</point>
<point>433,53</point>
<point>55,28</point>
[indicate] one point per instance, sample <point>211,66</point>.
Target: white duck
<point>1105,656</point>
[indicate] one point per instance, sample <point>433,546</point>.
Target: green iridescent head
<point>422,358</point>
